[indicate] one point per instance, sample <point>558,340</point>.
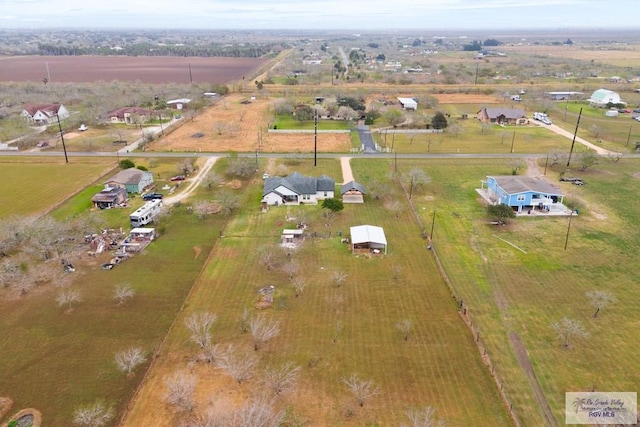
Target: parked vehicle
<point>573,180</point>
<point>42,144</point>
<point>152,196</point>
<point>178,178</point>
<point>83,127</point>
<point>542,117</point>
<point>146,214</point>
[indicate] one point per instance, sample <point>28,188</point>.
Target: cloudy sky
<point>361,15</point>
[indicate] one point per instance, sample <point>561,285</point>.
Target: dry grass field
<point>231,125</point>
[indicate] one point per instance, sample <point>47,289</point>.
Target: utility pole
<point>64,148</point>
<point>190,76</point>
<point>411,187</point>
<point>566,241</point>
<point>629,135</point>
<point>433,223</point>
<point>513,140</point>
<point>574,137</point>
<point>315,138</point>
<point>546,164</point>
<point>476,80</point>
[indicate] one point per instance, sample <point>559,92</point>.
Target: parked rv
<point>146,214</point>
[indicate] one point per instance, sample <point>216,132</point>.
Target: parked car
<point>637,110</point>
<point>570,179</point>
<point>42,144</point>
<point>83,127</point>
<point>152,196</point>
<point>177,178</point>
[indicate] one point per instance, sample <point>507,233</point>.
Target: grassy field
<point>438,366</point>
<point>31,186</point>
<point>523,292</point>
<point>288,122</point>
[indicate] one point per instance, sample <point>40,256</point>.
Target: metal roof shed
<point>368,237</point>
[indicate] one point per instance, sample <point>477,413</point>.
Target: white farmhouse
<point>602,97</point>
<point>44,114</point>
<point>297,189</point>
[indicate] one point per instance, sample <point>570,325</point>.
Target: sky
<point>357,15</point>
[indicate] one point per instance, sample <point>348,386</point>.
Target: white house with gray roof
<point>297,189</point>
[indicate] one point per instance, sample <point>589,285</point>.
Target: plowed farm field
<point>156,70</point>
<point>238,124</point>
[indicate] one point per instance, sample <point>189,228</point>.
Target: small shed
<point>408,103</point>
<point>291,237</point>
<point>352,192</point>
<point>369,238</point>
<point>109,197</point>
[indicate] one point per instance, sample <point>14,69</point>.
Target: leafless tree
<point>199,324</point>
<point>567,329</point>
<point>262,330</point>
<point>378,189</point>
<point>220,127</point>
<point>396,272</point>
<point>280,379</point>
<point>229,202</point>
<point>128,360</point>
<point>516,165</point>
<point>455,129</point>
<point>258,412</point>
<point>123,292</point>
<point>424,418</point>
<point>557,157</point>
<point>245,319</point>
<point>405,326</point>
<point>238,363</point>
<point>362,390</point>
<point>291,268</point>
<point>595,130</point>
<point>394,206</point>
<point>335,300</point>
<point>587,159</point>
<point>269,256</point>
<point>67,297</point>
<point>415,179</point>
<point>185,166</point>
<point>202,208</point>
<point>615,157</point>
<point>600,299</point>
<point>298,284</point>
<point>210,353</point>
<point>95,415</point>
<point>180,390</point>
<point>347,113</point>
<point>241,167</point>
<point>329,216</point>
<point>338,278</point>
<point>212,180</point>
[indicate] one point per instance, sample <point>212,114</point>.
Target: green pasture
<point>439,364</point>
<point>288,122</point>
<point>475,138</point>
<point>508,290</point>
<point>33,185</point>
<point>56,361</point>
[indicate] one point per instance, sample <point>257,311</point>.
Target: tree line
<point>245,50</point>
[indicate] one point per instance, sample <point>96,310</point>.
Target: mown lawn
<point>508,290</point>
<point>288,122</point>
<point>30,186</point>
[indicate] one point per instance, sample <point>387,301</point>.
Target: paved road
<point>368,146</point>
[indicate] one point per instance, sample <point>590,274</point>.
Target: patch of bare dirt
<point>5,406</point>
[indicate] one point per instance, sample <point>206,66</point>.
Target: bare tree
<point>424,418</point>
<point>258,412</point>
<point>405,326</point>
<point>595,130</point>
<point>185,166</point>
<point>180,390</point>
<point>587,159</point>
<point>200,326</point>
<point>362,390</point>
<point>240,364</point>
<point>280,379</point>
<point>615,156</point>
<point>229,202</point>
<point>291,268</point>
<point>335,300</point>
<point>128,360</point>
<point>67,297</point>
<point>95,415</point>
<point>600,299</point>
<point>212,180</point>
<point>516,165</point>
<point>415,179</point>
<point>394,206</point>
<point>455,129</point>
<point>210,353</point>
<point>298,284</point>
<point>123,292</point>
<point>269,256</point>
<point>557,157</point>
<point>396,272</point>
<point>338,278</point>
<point>262,330</point>
<point>567,329</point>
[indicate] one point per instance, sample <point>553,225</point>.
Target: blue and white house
<point>522,193</point>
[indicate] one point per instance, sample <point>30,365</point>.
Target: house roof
<point>120,112</point>
<point>299,183</point>
<point>108,194</point>
<point>508,113</point>
<point>368,233</point>
<point>407,101</point>
<point>47,109</point>
<point>523,184</point>
<point>179,101</point>
<point>352,185</point>
<point>131,176</point>
<point>603,96</point>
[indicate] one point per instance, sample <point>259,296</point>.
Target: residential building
<point>511,116</point>
<point>297,189</point>
<point>44,114</point>
<point>133,180</point>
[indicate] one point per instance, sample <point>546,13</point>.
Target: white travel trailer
<point>146,213</point>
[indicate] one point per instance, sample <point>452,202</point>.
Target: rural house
<point>129,115</point>
<point>499,116</point>
<point>133,180</point>
<point>368,238</point>
<point>408,103</point>
<point>179,104</point>
<point>522,193</point>
<point>297,189</point>
<point>109,198</point>
<point>603,97</point>
<point>352,192</point>
<point>44,114</point>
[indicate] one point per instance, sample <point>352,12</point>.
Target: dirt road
<point>601,151</point>
<point>192,183</point>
